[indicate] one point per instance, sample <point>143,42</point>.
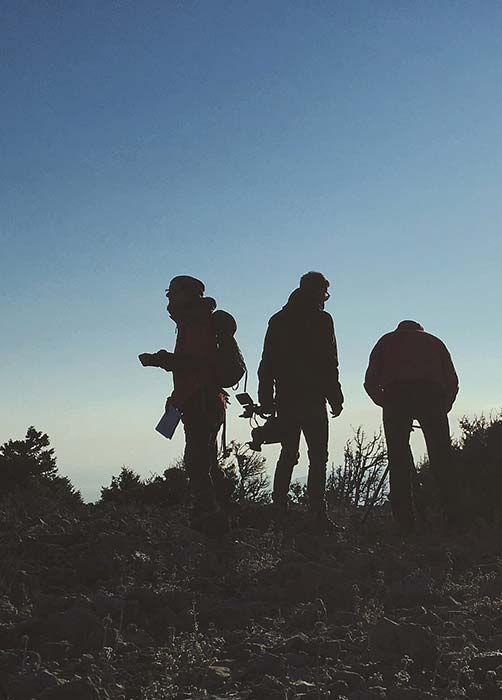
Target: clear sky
<point>244,143</point>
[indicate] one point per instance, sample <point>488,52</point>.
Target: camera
<point>266,434</point>
<point>249,406</point>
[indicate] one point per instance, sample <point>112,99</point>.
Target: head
<point>183,291</point>
<point>409,326</point>
<point>315,285</point>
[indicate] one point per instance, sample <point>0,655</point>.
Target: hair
<point>314,280</point>
<point>409,326</point>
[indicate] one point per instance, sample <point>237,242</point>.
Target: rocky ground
<point>128,602</point>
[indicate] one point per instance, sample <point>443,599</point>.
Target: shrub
<point>245,471</point>
<point>32,462</point>
<point>124,488</point>
<point>169,489</point>
<point>477,465</point>
<point>359,480</point>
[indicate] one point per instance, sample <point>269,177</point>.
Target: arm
<point>169,361</point>
<point>334,393</point>
<point>266,372</point>
<point>450,377</point>
<point>372,379</point>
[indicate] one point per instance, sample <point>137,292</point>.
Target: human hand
<point>336,409</point>
<point>146,359</point>
<point>267,408</point>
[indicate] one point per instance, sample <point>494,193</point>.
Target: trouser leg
<point>436,429</point>
<point>397,423</point>
<point>289,426</point>
<point>315,429</point>
<point>200,457</point>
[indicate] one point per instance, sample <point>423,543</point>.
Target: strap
<point>224,435</point>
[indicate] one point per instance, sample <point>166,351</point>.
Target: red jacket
<point>410,355</point>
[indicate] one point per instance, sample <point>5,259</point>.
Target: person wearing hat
<point>197,396</point>
<point>411,376</point>
<point>298,374</point>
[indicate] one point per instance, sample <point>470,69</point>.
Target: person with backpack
<point>205,359</point>
<point>298,373</point>
<point>411,376</point>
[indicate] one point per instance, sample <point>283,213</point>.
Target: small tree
<point>32,461</point>
<point>125,487</point>
<point>247,470</point>
<point>357,480</point>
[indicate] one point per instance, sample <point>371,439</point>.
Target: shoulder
<point>434,341</point>
<point>386,339</point>
<point>277,318</point>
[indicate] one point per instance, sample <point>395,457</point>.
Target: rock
<point>338,688</point>
<point>309,614</point>
<point>107,604</point>
<point>400,693</point>
<point>377,691</point>
<point>390,641</point>
<point>361,565</point>
<point>81,627</point>
<point>232,613</point>
<point>419,643</point>
<point>487,661</point>
<point>8,613</point>
<point>138,637</point>
<point>297,659</point>
<point>454,643</point>
<point>55,651</point>
<point>10,661</point>
<point>483,626</point>
<point>267,664</point>
<point>297,643</point>
<point>330,648</point>
<point>366,694</point>
<point>413,589</point>
<point>9,637</point>
<point>215,677</point>
<point>303,689</point>
<point>269,687</point>
<point>495,643</point>
<point>383,641</point>
<point>25,685</point>
<point>79,689</point>
<point>353,680</point>
<point>344,618</point>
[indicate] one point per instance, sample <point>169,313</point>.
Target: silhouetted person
<point>298,373</point>
<point>411,375</point>
<point>197,395</point>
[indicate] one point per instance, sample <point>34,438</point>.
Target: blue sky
<point>244,143</point>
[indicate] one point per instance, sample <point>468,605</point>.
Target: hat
<point>188,284</point>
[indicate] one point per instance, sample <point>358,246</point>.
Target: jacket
<point>300,358</point>
<point>406,355</point>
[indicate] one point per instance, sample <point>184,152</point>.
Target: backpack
<point>230,365</point>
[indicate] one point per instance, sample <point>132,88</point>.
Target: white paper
<point>169,422</point>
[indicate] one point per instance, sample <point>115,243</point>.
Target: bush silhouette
<point>477,464</point>
<point>32,462</point>
<point>128,487</point>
